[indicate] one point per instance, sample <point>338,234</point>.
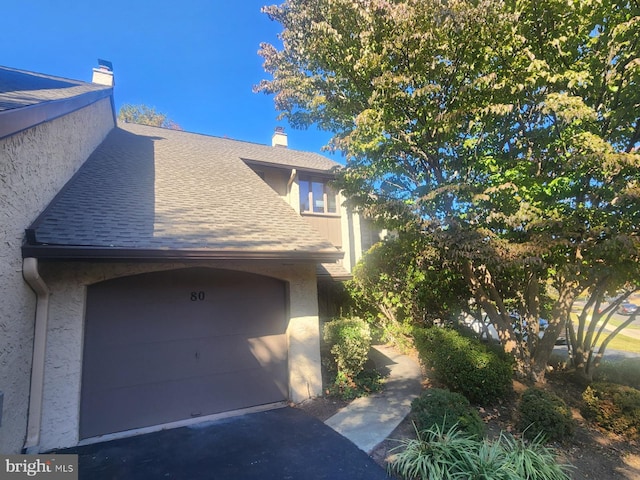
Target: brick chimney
<point>103,75</point>
<point>279,138</point>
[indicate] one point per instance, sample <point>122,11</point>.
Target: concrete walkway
<point>367,421</point>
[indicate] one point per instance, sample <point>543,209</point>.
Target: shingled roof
<point>147,192</point>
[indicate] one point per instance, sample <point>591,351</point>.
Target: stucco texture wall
<point>63,366</point>
<point>34,165</point>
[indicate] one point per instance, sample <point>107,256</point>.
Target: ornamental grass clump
<point>532,460</point>
<point>434,453</point>
<point>442,454</point>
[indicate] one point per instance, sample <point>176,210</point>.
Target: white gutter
<point>32,277</point>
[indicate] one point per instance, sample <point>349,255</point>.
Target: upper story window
<point>316,196</point>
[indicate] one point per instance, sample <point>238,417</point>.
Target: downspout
<point>292,202</point>
<point>34,421</point>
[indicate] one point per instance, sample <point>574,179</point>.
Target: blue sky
<point>195,60</point>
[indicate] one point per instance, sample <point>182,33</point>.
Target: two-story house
<point>152,277</point>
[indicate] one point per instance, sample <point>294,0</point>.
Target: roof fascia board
<point>287,166</point>
<point>57,252</point>
<point>16,120</point>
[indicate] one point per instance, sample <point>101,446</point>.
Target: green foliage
<point>464,364</point>
<point>532,460</point>
<point>622,372</point>
<point>613,407</point>
<point>364,383</point>
<point>441,407</point>
<point>349,341</point>
<point>145,115</point>
<point>545,415</point>
<point>440,453</point>
<point>507,132</point>
<point>420,291</point>
<point>435,453</point>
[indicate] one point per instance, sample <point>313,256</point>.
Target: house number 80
<point>197,296</point>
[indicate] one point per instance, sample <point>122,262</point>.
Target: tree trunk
<point>499,319</point>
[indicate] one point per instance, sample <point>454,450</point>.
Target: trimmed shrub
<point>464,364</point>
<point>544,414</point>
<point>349,341</point>
<point>613,407</point>
<point>622,372</point>
<point>366,382</point>
<point>438,406</point>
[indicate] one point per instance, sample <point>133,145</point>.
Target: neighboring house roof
<point>148,192</point>
<point>28,99</point>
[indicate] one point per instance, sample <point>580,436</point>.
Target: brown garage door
<point>173,345</point>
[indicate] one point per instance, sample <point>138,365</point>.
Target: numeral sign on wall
<point>197,296</point>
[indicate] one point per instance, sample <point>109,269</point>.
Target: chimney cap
<point>105,65</point>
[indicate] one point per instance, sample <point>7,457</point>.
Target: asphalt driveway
<point>278,444</point>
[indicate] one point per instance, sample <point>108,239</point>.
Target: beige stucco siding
<point>34,165</point>
<point>63,367</point>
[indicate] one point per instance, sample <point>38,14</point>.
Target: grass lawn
<point>621,341</point>
<point>627,344</point>
<point>614,322</point>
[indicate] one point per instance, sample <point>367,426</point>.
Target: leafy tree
<point>145,115</point>
<point>508,129</point>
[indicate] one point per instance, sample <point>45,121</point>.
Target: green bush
<point>349,341</point>
<point>366,382</point>
<point>464,364</point>
<point>437,453</point>
<point>622,372</point>
<point>441,407</point>
<point>613,407</point>
<point>543,413</point>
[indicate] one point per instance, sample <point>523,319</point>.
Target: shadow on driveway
<point>277,444</point>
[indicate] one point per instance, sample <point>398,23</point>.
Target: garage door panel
<point>165,346</point>
<point>249,317</point>
<point>179,400</point>
<point>153,362</point>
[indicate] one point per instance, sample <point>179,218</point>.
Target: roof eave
<point>330,172</point>
<point>334,278</point>
<point>59,252</point>
<point>16,120</point>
